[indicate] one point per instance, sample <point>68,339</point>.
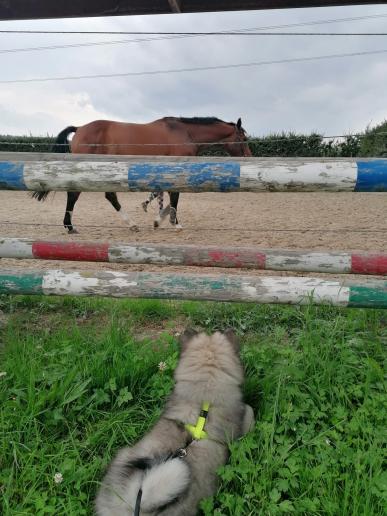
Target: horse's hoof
<point>134,228</point>
<point>178,227</point>
<point>144,206</point>
<point>73,231</point>
<point>156,224</point>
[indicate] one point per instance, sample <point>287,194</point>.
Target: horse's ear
<point>239,123</point>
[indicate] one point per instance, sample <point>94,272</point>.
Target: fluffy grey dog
<point>173,467</point>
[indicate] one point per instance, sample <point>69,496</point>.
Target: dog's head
<point>217,353</point>
<point>191,334</point>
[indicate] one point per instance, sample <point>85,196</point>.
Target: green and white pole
<point>371,293</point>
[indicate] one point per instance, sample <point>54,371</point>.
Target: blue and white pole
<point>90,173</point>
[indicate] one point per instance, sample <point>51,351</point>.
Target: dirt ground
<point>349,221</point>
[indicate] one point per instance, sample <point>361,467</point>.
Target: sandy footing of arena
<point>335,221</point>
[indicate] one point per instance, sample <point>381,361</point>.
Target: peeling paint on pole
<point>12,176</point>
<point>368,297</point>
<point>335,262</point>
<point>12,282</point>
<point>250,289</point>
<point>75,251</point>
<point>219,177</point>
<point>103,173</point>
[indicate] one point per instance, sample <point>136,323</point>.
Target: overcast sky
<point>332,96</point>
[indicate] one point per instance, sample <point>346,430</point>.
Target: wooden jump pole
<point>336,262</point>
<point>250,289</point>
<point>102,173</point>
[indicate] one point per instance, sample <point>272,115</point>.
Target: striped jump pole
<point>101,173</point>
<point>281,290</point>
<point>338,262</point>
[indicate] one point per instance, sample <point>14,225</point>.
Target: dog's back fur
<point>209,369</point>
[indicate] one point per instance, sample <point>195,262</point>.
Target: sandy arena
<point>349,221</point>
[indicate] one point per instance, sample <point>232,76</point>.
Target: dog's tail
<point>162,485</point>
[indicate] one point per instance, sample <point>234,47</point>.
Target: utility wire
<point>268,27</point>
<point>171,37</point>
<point>194,69</point>
<point>186,35</point>
<point>233,33</point>
<point>91,44</point>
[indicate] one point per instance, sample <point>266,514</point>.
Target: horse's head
<point>236,144</point>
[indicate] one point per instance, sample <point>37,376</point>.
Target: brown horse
<point>165,137</point>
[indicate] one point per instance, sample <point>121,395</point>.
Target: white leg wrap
<point>161,216</point>
<point>126,218</point>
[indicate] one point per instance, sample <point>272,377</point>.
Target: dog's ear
<point>233,339</point>
<point>185,337</point>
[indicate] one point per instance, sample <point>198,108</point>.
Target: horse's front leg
<point>112,198</point>
<point>174,199</point>
<point>72,198</point>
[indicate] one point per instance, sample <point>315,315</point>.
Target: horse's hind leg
<point>72,198</point>
<point>163,212</point>
<point>112,198</point>
<point>174,198</point>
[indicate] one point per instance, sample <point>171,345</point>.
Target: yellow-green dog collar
<point>197,431</point>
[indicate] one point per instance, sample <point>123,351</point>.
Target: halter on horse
<point>168,136</point>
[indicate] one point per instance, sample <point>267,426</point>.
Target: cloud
<point>43,110</point>
<point>332,96</point>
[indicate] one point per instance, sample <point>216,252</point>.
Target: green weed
<point>80,383</point>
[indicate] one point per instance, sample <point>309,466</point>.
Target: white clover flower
<point>162,366</point>
<point>58,478</point>
<point>3,373</point>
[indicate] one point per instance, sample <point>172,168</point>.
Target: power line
<point>176,35</point>
<point>267,27</point>
<point>215,33</point>
<point>171,37</point>
<point>91,44</point>
<point>194,69</point>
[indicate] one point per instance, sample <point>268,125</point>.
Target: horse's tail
<point>61,144</point>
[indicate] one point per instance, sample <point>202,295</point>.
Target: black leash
<point>138,503</point>
<point>179,453</point>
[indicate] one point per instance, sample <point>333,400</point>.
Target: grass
<point>83,380</point>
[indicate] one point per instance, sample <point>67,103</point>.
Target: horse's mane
<point>199,120</point>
